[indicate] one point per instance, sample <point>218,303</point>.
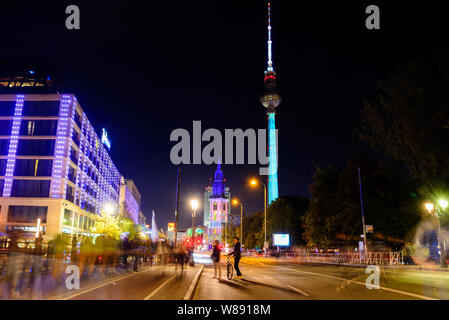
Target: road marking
<point>363,284</point>
<point>159,288</point>
<point>191,291</point>
<point>297,290</point>
<point>104,284</point>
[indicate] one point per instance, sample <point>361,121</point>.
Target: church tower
<point>218,199</point>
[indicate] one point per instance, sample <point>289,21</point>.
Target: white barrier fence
<point>386,258</point>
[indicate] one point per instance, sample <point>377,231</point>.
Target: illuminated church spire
<point>270,99</point>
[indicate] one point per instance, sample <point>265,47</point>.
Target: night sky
<point>142,68</point>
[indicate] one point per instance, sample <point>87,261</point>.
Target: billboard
<point>280,239</point>
<point>171,227</point>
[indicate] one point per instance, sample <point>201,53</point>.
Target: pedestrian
<point>216,253</point>
<point>180,256</point>
<point>237,256</point>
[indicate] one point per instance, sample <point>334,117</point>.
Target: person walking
<point>216,252</point>
<point>236,252</point>
<point>180,256</point>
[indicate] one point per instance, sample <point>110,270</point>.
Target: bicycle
<point>229,266</point>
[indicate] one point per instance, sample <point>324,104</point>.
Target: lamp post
<point>436,211</point>
<point>241,217</point>
<point>194,204</point>
<point>254,182</point>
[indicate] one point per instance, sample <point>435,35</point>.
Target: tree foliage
<point>389,200</point>
<point>409,121</point>
<point>284,215</point>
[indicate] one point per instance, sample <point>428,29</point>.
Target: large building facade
<point>217,205</point>
<point>53,166</point>
<point>130,200</point>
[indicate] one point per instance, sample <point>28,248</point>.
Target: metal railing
<point>385,258</point>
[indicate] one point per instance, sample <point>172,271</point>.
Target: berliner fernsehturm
<point>270,99</point>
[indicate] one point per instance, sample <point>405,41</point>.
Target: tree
<point>253,230</point>
<point>390,205</point>
<point>409,121</point>
<point>284,215</point>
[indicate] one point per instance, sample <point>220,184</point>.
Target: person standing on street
<point>216,259</point>
<point>236,252</point>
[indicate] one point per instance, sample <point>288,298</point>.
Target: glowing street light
<point>255,182</point>
<point>236,202</point>
<point>429,207</point>
<point>443,204</point>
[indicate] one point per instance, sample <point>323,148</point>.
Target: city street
<point>263,279</point>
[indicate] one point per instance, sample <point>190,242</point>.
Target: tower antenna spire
<point>270,62</point>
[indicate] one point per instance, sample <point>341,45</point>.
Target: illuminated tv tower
<point>270,99</point>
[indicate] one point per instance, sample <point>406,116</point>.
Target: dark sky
<point>142,68</point>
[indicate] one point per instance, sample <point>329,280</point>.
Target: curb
<point>193,285</point>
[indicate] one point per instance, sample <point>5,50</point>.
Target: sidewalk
<point>177,287</point>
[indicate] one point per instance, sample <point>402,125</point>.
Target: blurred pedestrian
<point>180,256</point>
<point>216,254</point>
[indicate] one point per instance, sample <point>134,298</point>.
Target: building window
<point>215,206</point>
<point>30,188</point>
<point>7,108</point>
<point>33,167</point>
<point>73,155</point>
<point>69,194</point>
<point>3,166</point>
<point>38,127</point>
<point>76,137</point>
<point>78,119</point>
<point>72,175</point>
<point>4,147</point>
<point>2,183</point>
<point>5,127</point>
<point>67,217</point>
<point>41,108</point>
<point>36,147</point>
<point>27,214</point>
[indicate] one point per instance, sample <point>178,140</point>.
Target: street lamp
<point>235,202</point>
<point>436,211</point>
<point>194,204</point>
<point>254,182</point>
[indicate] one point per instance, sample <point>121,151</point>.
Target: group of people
<point>32,265</point>
<point>216,254</point>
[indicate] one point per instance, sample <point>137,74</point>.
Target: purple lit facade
<point>53,166</point>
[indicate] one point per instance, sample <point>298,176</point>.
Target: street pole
<point>441,243</point>
<point>363,217</point>
<point>193,227</point>
<point>177,205</point>
<point>265,215</point>
<point>241,222</point>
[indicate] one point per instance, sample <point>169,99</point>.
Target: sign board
<point>265,245</point>
<point>282,240</point>
<point>171,226</point>
<point>105,140</point>
<point>369,228</point>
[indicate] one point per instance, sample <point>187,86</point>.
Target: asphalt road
<point>264,280</point>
